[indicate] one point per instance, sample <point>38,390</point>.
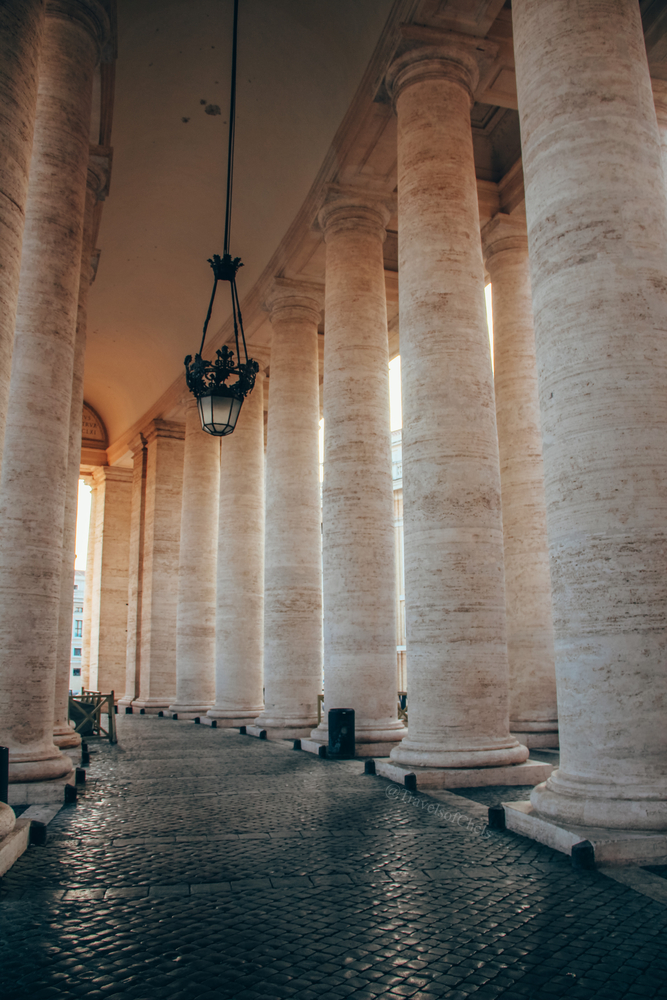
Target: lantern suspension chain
<point>219,404</point>
<point>232,132</point>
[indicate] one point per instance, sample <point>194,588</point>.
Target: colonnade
<point>549,474</point>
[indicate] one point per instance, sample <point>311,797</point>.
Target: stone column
<point>240,592</point>
<point>597,232</point>
<point>454,579</point>
<point>195,617</point>
<point>162,527</point>
<point>109,585</point>
<point>32,491</point>
<point>21,26</point>
<point>88,585</point>
<point>357,501</point>
<point>660,101</point>
<point>63,735</point>
<point>293,574</point>
<point>530,638</point>
<point>135,572</point>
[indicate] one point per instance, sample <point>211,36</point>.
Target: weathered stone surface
<point>195,615</point>
<point>63,736</point>
<point>111,556</point>
<point>21,26</point>
<point>660,100</point>
<point>32,492</point>
<point>135,571</point>
<point>159,583</point>
<point>530,641</point>
<point>293,546</point>
<point>597,231</point>
<point>239,619</point>
<point>454,579</point>
<point>357,501</point>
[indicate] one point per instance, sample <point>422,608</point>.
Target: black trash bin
<point>341,732</point>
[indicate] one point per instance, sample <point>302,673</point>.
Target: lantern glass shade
<point>218,413</point>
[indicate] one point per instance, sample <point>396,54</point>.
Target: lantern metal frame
<point>207,380</point>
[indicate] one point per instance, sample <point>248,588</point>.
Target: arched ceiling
<point>300,62</point>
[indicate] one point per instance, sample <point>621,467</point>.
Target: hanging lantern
<point>219,404</point>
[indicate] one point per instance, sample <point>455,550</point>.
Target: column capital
<point>345,207</point>
<point>503,232</point>
<point>92,15</point>
<point>111,473</point>
<point>296,299</point>
<point>163,429</point>
<point>660,98</point>
<point>99,171</point>
<point>426,53</point>
<point>137,445</point>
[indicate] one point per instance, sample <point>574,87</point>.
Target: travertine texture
<point>111,558</point>
<point>21,25</point>
<point>32,492</point>
<point>195,616</point>
<point>135,572</point>
<point>530,640</point>
<point>660,101</point>
<point>454,581</point>
<point>240,597</point>
<point>88,593</point>
<point>293,550</point>
<point>161,535</point>
<point>597,231</point>
<point>357,500</point>
<point>63,734</point>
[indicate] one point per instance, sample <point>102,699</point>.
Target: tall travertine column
<point>240,576</point>
<point>135,572</point>
<point>88,585</point>
<point>32,491</point>
<point>63,735</point>
<point>660,101</point>
<point>21,26</point>
<point>357,500</point>
<point>293,553</point>
<point>109,584</point>
<point>161,535</point>
<point>454,580</point>
<point>530,636</point>
<point>597,232</point>
<point>195,616</point>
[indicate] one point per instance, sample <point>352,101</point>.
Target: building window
<point>78,611</point>
<point>78,628</point>
<point>76,672</point>
<point>77,651</point>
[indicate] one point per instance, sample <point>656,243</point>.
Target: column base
<point>415,753</point>
<point>393,734</point>
<point>7,820</point>
<point>184,711</point>
<point>65,737</point>
<point>531,772</point>
<point>612,847</point>
<point>150,706</point>
<point>567,800</point>
<point>45,768</point>
<point>125,702</point>
<point>284,727</point>
<point>233,718</point>
<point>26,793</point>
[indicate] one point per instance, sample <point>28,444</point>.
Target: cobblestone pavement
<point>202,863</point>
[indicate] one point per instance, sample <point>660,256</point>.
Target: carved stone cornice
<point>93,15</point>
<point>299,298</point>
<point>502,233</point>
<point>346,207</point>
<point>426,53</point>
<point>164,429</point>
